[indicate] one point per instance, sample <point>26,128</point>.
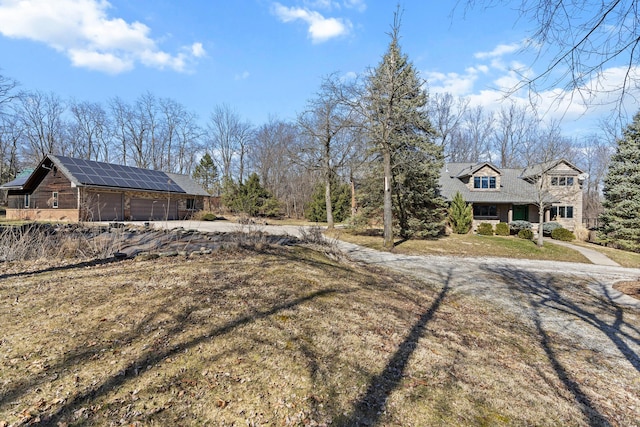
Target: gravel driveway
<point>574,300</point>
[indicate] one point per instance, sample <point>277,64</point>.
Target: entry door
<point>520,213</point>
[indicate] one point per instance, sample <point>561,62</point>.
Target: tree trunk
<point>354,206</point>
<point>327,191</point>
<point>388,213</point>
<point>540,224</point>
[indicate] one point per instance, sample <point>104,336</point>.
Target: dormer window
<point>484,182</point>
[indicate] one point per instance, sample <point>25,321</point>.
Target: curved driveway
<point>463,272</point>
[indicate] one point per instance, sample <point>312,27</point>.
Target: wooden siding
<point>54,181</point>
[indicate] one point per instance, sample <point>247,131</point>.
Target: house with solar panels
<point>68,189</point>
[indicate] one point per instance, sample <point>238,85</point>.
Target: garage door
<point>104,207</point>
<point>153,209</point>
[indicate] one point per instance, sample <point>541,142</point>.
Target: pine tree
<point>621,216</point>
<point>460,215</point>
<point>206,174</point>
<point>401,133</point>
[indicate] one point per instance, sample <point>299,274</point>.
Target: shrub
<point>316,211</point>
<point>525,234</point>
<point>562,234</point>
<point>502,229</point>
<point>548,227</point>
<point>582,234</point>
<point>208,217</point>
<point>460,215</point>
<point>516,226</point>
<point>485,229</point>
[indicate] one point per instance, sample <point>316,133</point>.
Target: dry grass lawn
<point>284,336</point>
<point>469,245</point>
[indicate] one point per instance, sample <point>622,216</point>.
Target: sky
<point>265,59</point>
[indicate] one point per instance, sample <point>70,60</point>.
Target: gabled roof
<point>512,189</point>
<point>540,168</point>
<point>475,167</point>
<point>89,173</point>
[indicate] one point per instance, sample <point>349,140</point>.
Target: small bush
<point>582,233</point>
<point>563,234</point>
<point>516,226</point>
<point>208,217</point>
<point>485,229</point>
<point>502,229</point>
<point>525,234</point>
<point>548,227</point>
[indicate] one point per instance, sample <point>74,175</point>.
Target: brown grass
<point>283,337</point>
<point>630,288</point>
<point>469,245</point>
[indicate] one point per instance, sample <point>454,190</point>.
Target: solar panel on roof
<point>111,175</point>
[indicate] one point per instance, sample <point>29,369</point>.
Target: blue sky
<point>261,57</point>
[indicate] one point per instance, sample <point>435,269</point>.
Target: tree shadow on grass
<point>152,358</point>
<point>542,293</point>
<point>83,264</point>
<point>370,407</point>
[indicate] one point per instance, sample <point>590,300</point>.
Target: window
<point>562,181</point>
<point>191,204</point>
<point>485,210</point>
<point>26,200</point>
<point>54,200</point>
<point>562,212</point>
<point>484,182</point>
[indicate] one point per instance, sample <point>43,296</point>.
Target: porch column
<point>547,215</point>
<point>510,214</point>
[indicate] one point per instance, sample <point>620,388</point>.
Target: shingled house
<point>68,189</point>
<point>509,194</point>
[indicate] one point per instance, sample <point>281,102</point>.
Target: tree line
<point>379,138</point>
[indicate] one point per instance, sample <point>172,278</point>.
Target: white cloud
<point>197,50</point>
<point>320,28</point>
<point>453,83</point>
<point>82,30</point>
<point>243,76</point>
<point>498,51</point>
<point>359,5</point>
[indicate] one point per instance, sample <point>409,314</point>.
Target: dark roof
<point>89,173</point>
<point>513,189</point>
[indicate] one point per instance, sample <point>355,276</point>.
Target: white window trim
<point>54,201</point>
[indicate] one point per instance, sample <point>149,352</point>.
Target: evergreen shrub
<point>502,229</point>
<point>548,227</point>
<point>460,215</point>
<point>208,217</point>
<point>525,234</point>
<point>516,226</point>
<point>562,234</point>
<point>485,229</point>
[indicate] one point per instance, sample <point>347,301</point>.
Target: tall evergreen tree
<point>206,174</point>
<point>621,216</point>
<point>402,135</point>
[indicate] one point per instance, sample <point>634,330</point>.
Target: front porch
<point>508,212</point>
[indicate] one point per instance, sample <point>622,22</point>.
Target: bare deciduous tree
<point>41,117</point>
<point>447,115</point>
<point>90,123</point>
<point>326,127</point>
<point>583,40</point>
